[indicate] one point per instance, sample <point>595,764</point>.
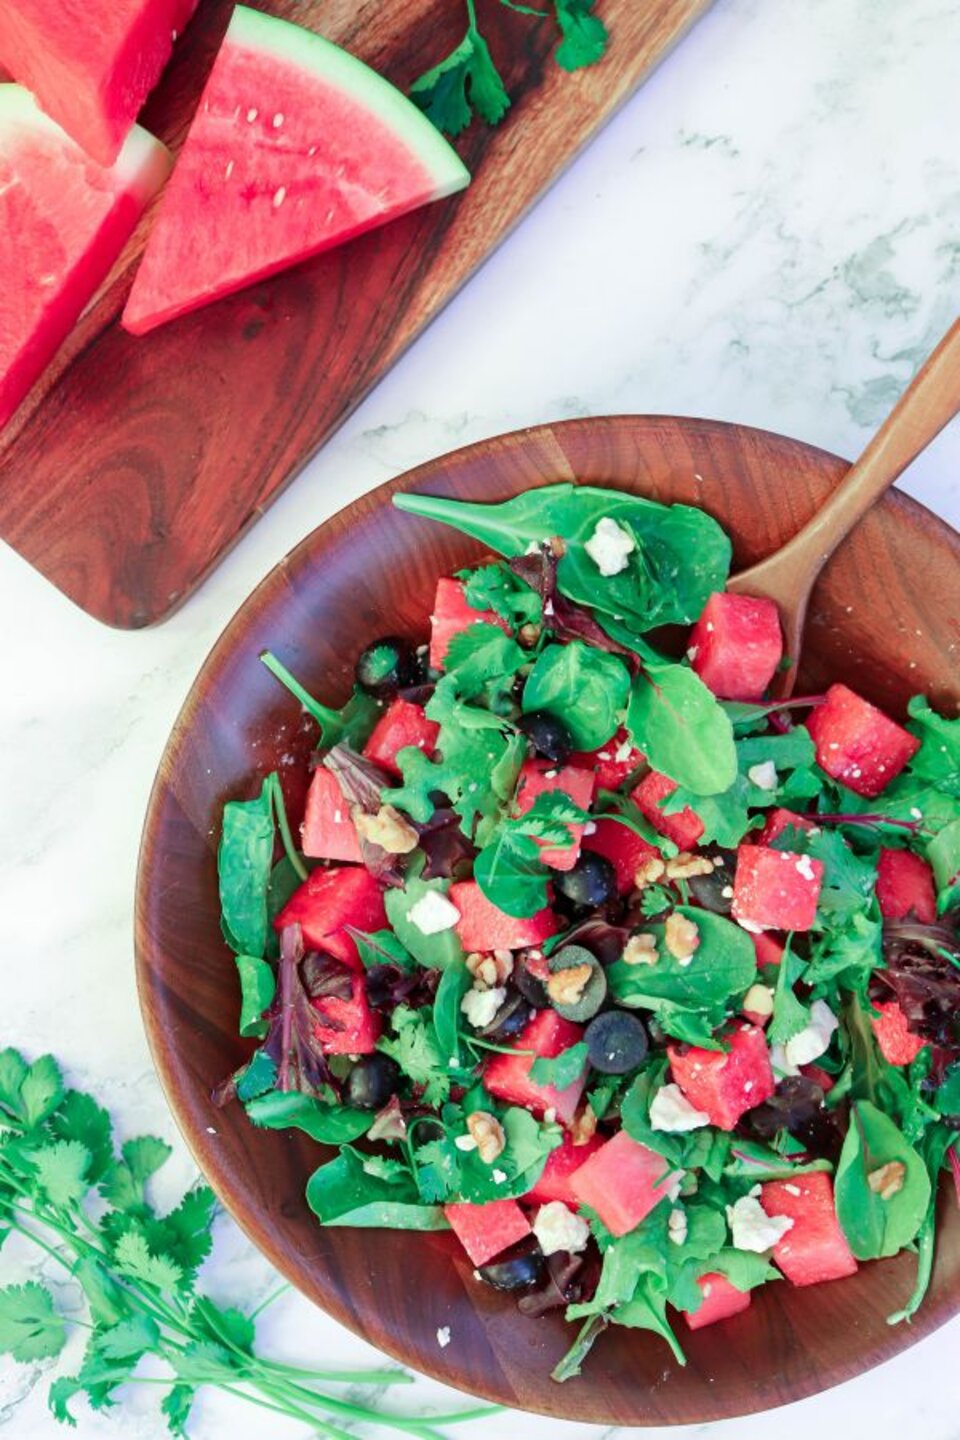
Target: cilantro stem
<point>283,825</point>
<point>274,1295</point>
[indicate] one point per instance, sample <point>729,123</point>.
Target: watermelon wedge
<point>63,222</point>
<point>91,63</point>
<point>296,147</point>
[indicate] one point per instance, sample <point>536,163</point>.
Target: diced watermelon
<point>779,820</point>
<point>554,1182</point>
<point>328,831</point>
<point>612,762</point>
<point>725,1084</point>
<point>483,926</point>
<point>508,1076</point>
<point>91,65</point>
<point>736,645</point>
<point>622,1182</point>
<point>296,146</point>
<point>347,1027</point>
<point>486,1230</point>
<point>769,950</point>
<point>905,886</point>
<point>402,724</point>
<point>857,743</point>
<point>814,1248</point>
<point>63,221</point>
<point>720,1301</point>
<point>898,1044</point>
<point>684,828</point>
<point>540,777</point>
<point>625,849</point>
<point>775,889</point>
<point>451,615</point>
<point>330,900</point>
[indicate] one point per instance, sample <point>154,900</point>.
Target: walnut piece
<point>487,1133</point>
<point>641,949</point>
<point>584,1125</point>
<point>685,866</point>
<point>387,828</point>
<point>649,872</point>
<point>489,971</point>
<point>529,634</point>
<point>888,1180</point>
<point>681,937</point>
<point>566,987</point>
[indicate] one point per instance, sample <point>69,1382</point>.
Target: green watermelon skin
<point>91,63</point>
<point>63,222</point>
<point>296,146</point>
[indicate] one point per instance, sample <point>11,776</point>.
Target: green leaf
<point>258,986</point>
<point>790,1014</point>
<point>328,1124</point>
<point>846,957</point>
<point>108,1302</point>
<point>61,1171</point>
<point>244,863</point>
<point>455,981</point>
<point>938,759</point>
<point>518,1167</point>
<point>30,1328</point>
<point>563,1069</point>
<point>124,1182</point>
<point>496,588</point>
<point>381,947</point>
<point>184,1234</point>
<point>41,1091</point>
<point>749,1160</point>
<point>80,1118</point>
<point>724,965</point>
<point>257,1077</point>
<point>682,730</point>
<point>342,1192</point>
<point>133,1258</point>
<point>436,952</point>
<point>227,1327</point>
<point>725,818</point>
<point>943,853</point>
<point>130,1337</point>
<point>437,1171</point>
<point>510,870</point>
<point>948,1095</point>
<point>176,1407</point>
<point>585,36</point>
<point>467,80</point>
<point>480,655</point>
<point>13,1070</point>
<point>585,687</point>
<point>350,725</point>
<point>875,1226</point>
<point>416,1049</point>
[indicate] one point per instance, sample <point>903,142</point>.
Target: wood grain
<point>885,616</point>
<point>139,462</point>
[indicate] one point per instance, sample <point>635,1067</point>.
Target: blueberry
<point>371,1082</point>
<point>548,735</point>
<point>592,881</point>
<point>515,1269</point>
<point>707,890</point>
<point>388,665</point>
<point>616,1042</point>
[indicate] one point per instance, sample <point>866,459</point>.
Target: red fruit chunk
<point>857,744</point>
<point>400,725</point>
<point>625,850</point>
<point>328,832</point>
<point>905,886</point>
<point>814,1249</point>
<point>819,1077</point>
<point>779,820</point>
<point>347,1027</point>
<point>898,1044</point>
<point>540,777</point>
<point>611,763</point>
<point>508,1076</point>
<point>451,614</point>
<point>330,900</point>
<point>554,1182</point>
<point>684,828</point>
<point>483,926</point>
<point>736,645</point>
<point>486,1230</point>
<point>725,1084</point>
<point>720,1301</point>
<point>769,950</point>
<point>622,1182</point>
<point>775,889</point>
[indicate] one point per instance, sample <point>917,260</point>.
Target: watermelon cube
<point>347,1027</point>
<point>768,949</point>
<point>779,820</point>
<point>720,1301</point>
<point>486,1230</point>
<point>330,900</point>
<point>814,1248</point>
<point>402,724</point>
<point>508,1076</point>
<point>328,831</point>
<point>554,1182</point>
<point>622,1182</point>
<point>725,1084</point>
<point>898,1044</point>
<point>451,615</point>
<point>613,762</point>
<point>775,889</point>
<point>684,828</point>
<point>857,743</point>
<point>540,777</point>
<point>905,886</point>
<point>736,645</point>
<point>625,849</point>
<point>483,926</point>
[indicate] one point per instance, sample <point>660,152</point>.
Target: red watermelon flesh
<point>768,949</point>
<point>554,1182</point>
<point>905,886</point>
<point>63,221</point>
<point>347,1027</point>
<point>775,889</point>
<point>330,900</point>
<point>613,762</point>
<point>402,724</point>
<point>452,615</point>
<point>857,744</point>
<point>486,1230</point>
<point>625,849</point>
<point>328,832</point>
<point>508,1076</point>
<point>483,926</point>
<point>91,63</point>
<point>720,1301</point>
<point>779,820</point>
<point>897,1042</point>
<point>736,645</point>
<point>814,1248</point>
<point>540,777</point>
<point>296,147</point>
<point>725,1084</point>
<point>684,828</point>
<point>622,1182</point>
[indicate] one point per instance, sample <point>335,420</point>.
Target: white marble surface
<point>768,233</point>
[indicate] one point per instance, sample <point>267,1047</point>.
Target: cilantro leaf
<point>79,1117</point>
<point>176,1407</point>
<point>561,1070</point>
<point>134,1259</point>
<point>482,656</point>
<point>61,1171</point>
<point>585,36</point>
<point>30,1328</point>
<point>417,1051</point>
<point>790,1015</point>
<point>466,81</point>
<point>510,870</point>
<point>497,588</point>
<point>125,1181</point>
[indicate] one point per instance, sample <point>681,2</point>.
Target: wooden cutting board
<point>137,463</point>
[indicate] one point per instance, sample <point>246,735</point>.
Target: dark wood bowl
<point>885,617</point>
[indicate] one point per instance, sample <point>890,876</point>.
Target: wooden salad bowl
<point>885,617</point>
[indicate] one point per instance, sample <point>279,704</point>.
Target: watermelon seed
<point>279,196</point>
<point>251,116</point>
<point>277,120</point>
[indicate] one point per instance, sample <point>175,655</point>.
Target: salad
<point>645,987</point>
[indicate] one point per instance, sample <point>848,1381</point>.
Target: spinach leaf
<point>938,759</point>
<point>258,986</point>
<point>257,1077</point>
<point>725,817</point>
<point>381,947</point>
<point>790,1015</point>
<point>724,966</point>
<point>872,1224</point>
<point>756,1163</point>
<point>331,1124</point>
<point>948,1095</point>
<point>510,870</point>
<point>244,863</point>
<point>584,687</point>
<point>435,951</point>
<point>351,724</point>
<point>454,984</point>
<point>345,1192</point>
<point>518,1166</point>
<point>681,728</point>
<point>560,1070</point>
<point>943,853</point>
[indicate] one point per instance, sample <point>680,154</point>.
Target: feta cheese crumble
<point>805,868</point>
<point>814,1038</point>
<point>677,1226</point>
<point>559,1228</point>
<point>671,1111</point>
<point>752,1228</point>
<point>443,1336</point>
<point>433,913</point>
<point>609,547</point>
<point>764,776</point>
<point>480,1006</point>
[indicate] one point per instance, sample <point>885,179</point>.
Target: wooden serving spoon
<point>788,575</point>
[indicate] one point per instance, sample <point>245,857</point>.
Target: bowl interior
<point>885,617</point>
